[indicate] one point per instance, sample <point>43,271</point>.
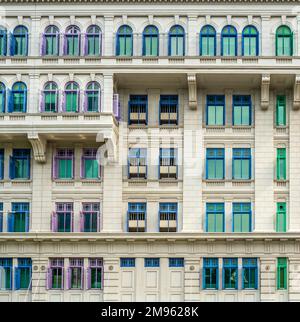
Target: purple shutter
<point>42,102</point>
<point>54,222</point>
<point>88,278</point>
<point>79,43</point>
<point>85,102</point>
<point>82,172</point>
<point>43,45</point>
<point>99,100</point>
<point>57,100</point>
<point>63,101</point>
<point>81,222</point>
<point>85,45</point>
<point>68,286</point>
<point>82,278</point>
<point>49,279</point>
<point>72,221</point>
<point>65,40</point>
<point>78,100</point>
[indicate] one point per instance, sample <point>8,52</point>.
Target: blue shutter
<point>5,43</point>
<point>11,167</point>
<point>10,222</point>
<point>10,97</point>
<point>25,101</point>
<point>26,44</point>
<point>27,222</point>
<point>1,223</point>
<point>12,44</point>
<point>28,166</point>
<point>17,278</point>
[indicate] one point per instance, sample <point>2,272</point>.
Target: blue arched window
<point>229,41</point>
<point>72,41</point>
<point>250,41</point>
<point>18,98</point>
<point>92,97</point>
<point>50,41</point>
<point>2,97</point>
<point>3,41</point>
<point>151,41</point>
<point>176,41</point>
<point>208,41</point>
<point>71,97</point>
<point>124,41</point>
<point>284,41</point>
<point>49,99</point>
<point>19,41</point>
<point>93,39</point>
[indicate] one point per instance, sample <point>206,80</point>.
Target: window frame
<point>215,211</point>
<point>178,33</point>
<point>290,36</point>
<point>139,157</point>
<point>241,212</point>
<point>256,36</point>
<point>124,31</point>
<point>281,213</point>
<point>95,33</point>
<point>138,210</point>
<point>244,154</point>
<point>215,101</point>
<point>214,158</point>
<point>229,35</point>
<point>281,158</point>
<point>282,264</point>
<point>248,265</point>
<point>205,34</point>
<point>210,264</point>
<point>170,211</point>
<point>152,35</point>
<point>241,101</point>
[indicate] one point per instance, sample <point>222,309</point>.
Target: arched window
<point>93,39</point>
<point>92,97</point>
<point>71,97</point>
<point>49,99</point>
<point>3,41</point>
<point>72,41</point>
<point>250,41</point>
<point>150,41</point>
<point>19,41</point>
<point>50,41</point>
<point>18,98</point>
<point>208,41</point>
<point>124,41</point>
<point>2,97</point>
<point>229,41</point>
<point>176,41</point>
<point>284,41</point>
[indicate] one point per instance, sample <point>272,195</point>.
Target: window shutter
<point>10,100</point>
<point>79,44</point>
<point>88,278</point>
<point>68,286</point>
<point>25,101</point>
<point>63,102</point>
<point>65,48</point>
<point>81,222</point>
<point>72,221</point>
<point>82,277</point>
<point>98,221</point>
<point>28,166</point>
<point>17,278</point>
<point>73,166</point>
<point>26,45</point>
<point>1,226</point>
<point>49,279</point>
<point>12,44</point>
<point>78,109</point>
<point>10,222</point>
<point>54,227</point>
<point>85,45</point>
<point>11,167</point>
<point>5,43</point>
<point>27,221</point>
<point>85,102</point>
<point>42,102</point>
<point>99,100</point>
<point>43,45</point>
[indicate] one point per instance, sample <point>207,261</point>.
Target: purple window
<point>55,274</point>
<point>63,164</point>
<point>95,274</point>
<point>75,274</point>
<point>90,217</point>
<point>50,41</point>
<point>63,218</point>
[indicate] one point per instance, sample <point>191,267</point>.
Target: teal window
<point>249,273</point>
<point>90,216</point>
<point>242,217</point>
<point>127,262</point>
<point>137,163</point>
<point>55,275</point>
<point>75,274</point>
<point>241,164</point>
<point>124,41</point>
<point>284,41</point>
<point>49,100</point>
<point>215,110</point>
<point>23,274</point>
<point>280,110</point>
<point>92,97</point>
<point>229,41</point>
<point>176,41</point>
<point>176,262</point>
<point>95,273</point>
<point>93,41</point>
<point>281,164</point>
<point>215,164</point>
<point>18,98</point>
<point>281,217</point>
<point>72,41</point>
<point>90,166</point>
<point>50,41</point>
<point>230,274</point>
<point>208,41</point>
<point>215,217</point>
<point>19,42</point>
<point>250,41</point>
<point>3,41</point>
<point>72,97</point>
<point>64,164</point>
<point>138,109</point>
<point>241,110</point>
<point>18,218</point>
<point>19,164</point>
<point>6,273</point>
<point>150,41</point>
<point>62,220</point>
<point>210,273</point>
<point>2,98</point>
<point>282,273</point>
<point>152,262</point>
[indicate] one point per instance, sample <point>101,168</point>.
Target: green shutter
<point>281,164</point>
<point>281,110</point>
<point>282,273</point>
<point>281,217</point>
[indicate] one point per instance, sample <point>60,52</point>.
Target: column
<point>267,279</point>
<point>33,93</point>
<point>109,38</point>
<point>111,287</point>
<point>34,39</point>
<point>294,279</point>
<point>267,48</point>
<point>192,36</point>
<point>108,91</point>
<point>39,279</point>
<point>191,279</point>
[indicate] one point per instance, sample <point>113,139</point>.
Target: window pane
<point>219,115</point>
<point>219,222</point>
<point>65,169</point>
<point>91,169</point>
<point>219,169</point>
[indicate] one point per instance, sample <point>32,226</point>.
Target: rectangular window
<point>282,273</point>
<point>75,274</point>
<point>215,217</point>
<point>281,217</point>
<point>90,217</point>
<point>210,273</point>
<point>215,164</point>
<point>95,274</point>
<point>64,164</point>
<point>242,221</point>
<point>281,164</point>
<point>168,110</point>
<point>23,274</point>
<point>230,273</point>
<point>168,163</point>
<point>1,164</point>
<point>55,278</point>
<point>136,221</point>
<point>6,273</point>
<point>167,217</point>
<point>241,110</point>
<point>18,218</point>
<point>127,262</point>
<point>152,262</point>
<point>62,220</point>
<point>20,164</point>
<point>215,110</point>
<point>90,167</point>
<point>280,110</point>
<point>250,273</point>
<point>1,217</point>
<point>176,262</point>
<point>137,163</point>
<point>137,109</point>
<point>241,164</point>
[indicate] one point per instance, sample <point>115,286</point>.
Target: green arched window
<point>71,97</point>
<point>284,41</point>
<point>49,101</point>
<point>2,97</point>
<point>18,98</point>
<point>124,41</point>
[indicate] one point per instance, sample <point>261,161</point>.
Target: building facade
<point>149,152</point>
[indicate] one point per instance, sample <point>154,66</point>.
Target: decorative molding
<point>265,91</point>
<point>108,151</point>
<point>296,100</point>
<point>151,1</point>
<point>192,84</point>
<point>38,146</point>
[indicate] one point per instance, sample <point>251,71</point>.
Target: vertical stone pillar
<point>109,39</point>
<point>34,36</point>
<point>191,279</point>
<point>192,36</point>
<point>294,279</point>
<point>33,93</point>
<point>111,287</point>
<point>39,279</point>
<point>108,91</point>
<point>267,279</point>
<point>267,48</point>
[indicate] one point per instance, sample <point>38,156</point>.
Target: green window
<point>230,273</point>
<point>215,217</point>
<point>92,97</point>
<point>284,41</point>
<point>18,98</point>
<point>6,273</point>
<point>282,273</point>
<point>23,274</point>
<point>124,41</point>
<point>250,41</point>
<point>64,164</point>
<point>50,98</point>
<point>215,164</point>
<point>280,110</point>
<point>75,273</point>
<point>249,273</point>
<point>50,41</point>
<point>281,164</point>
<point>20,164</point>
<point>208,41</point>
<point>18,219</point>
<point>281,217</point>
<point>229,41</point>
<point>215,110</point>
<point>55,279</point>
<point>19,41</point>
<point>241,164</point>
<point>72,41</point>
<point>176,41</point>
<point>93,41</point>
<point>150,41</point>
<point>3,41</point>
<point>71,97</point>
<point>62,220</point>
<point>242,221</point>
<point>241,110</point>
<point>90,164</point>
<point>2,97</point>
<point>95,273</point>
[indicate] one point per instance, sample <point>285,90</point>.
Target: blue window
<point>229,41</point>
<point>93,41</point>
<point>241,110</point>
<point>215,164</point>
<point>138,109</point>
<point>19,164</point>
<point>137,163</point>
<point>167,216</point>
<point>168,110</point>
<point>136,217</point>
<point>150,41</point>
<point>18,98</point>
<point>215,217</point>
<point>250,273</point>
<point>1,219</point>
<point>23,274</point>
<point>3,41</point>
<point>215,110</point>
<point>250,42</point>
<point>242,219</point>
<point>18,218</point>
<point>176,262</point>
<point>50,41</point>
<point>127,262</point>
<point>19,41</point>
<point>208,41</point>
<point>176,41</point>
<point>2,98</point>
<point>152,262</point>
<point>124,46</point>
<point>6,273</point>
<point>210,273</point>
<point>1,164</point>
<point>241,164</point>
<point>167,163</point>
<point>230,273</point>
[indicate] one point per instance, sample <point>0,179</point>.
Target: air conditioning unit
<point>164,116</point>
<point>173,116</point>
<point>173,169</point>
<point>164,169</point>
<point>134,116</point>
<point>136,225</point>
